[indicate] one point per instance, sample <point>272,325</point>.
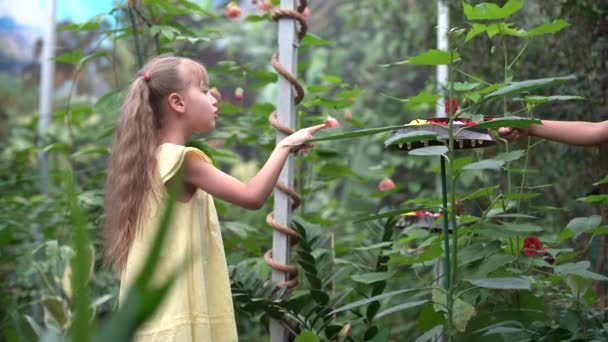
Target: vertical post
<point>288,42</point>
<point>442,44</point>
<point>442,82</point>
<point>442,269</point>
<point>47,72</point>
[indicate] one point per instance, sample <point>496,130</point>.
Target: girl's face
<point>201,107</point>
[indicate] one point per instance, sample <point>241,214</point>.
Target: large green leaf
<point>524,86</point>
<point>487,265</point>
<point>581,225</point>
<point>580,269</point>
<point>553,27</point>
<point>400,307</point>
<point>354,134</point>
<point>508,283</point>
<point>430,57</point>
<point>489,11</point>
<point>511,121</point>
<point>488,164</point>
<point>510,156</point>
<point>545,99</point>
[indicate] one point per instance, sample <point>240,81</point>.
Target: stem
<point>519,54</point>
<point>140,56</point>
<point>471,76</point>
<point>452,211</point>
<point>446,236</point>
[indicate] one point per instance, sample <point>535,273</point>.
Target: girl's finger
<point>314,129</point>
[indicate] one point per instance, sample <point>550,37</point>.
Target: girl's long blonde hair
<point>132,170</point>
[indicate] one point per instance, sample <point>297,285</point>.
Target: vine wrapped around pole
<point>274,122</point>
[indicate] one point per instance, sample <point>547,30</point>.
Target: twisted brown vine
<point>274,122</point>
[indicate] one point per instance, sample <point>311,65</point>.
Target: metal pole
<point>442,44</point>
<point>442,269</point>
<point>47,72</point>
<point>288,43</point>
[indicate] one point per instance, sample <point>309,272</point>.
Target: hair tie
<point>146,76</point>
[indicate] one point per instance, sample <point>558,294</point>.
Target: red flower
<point>331,122</point>
<point>238,94</point>
<point>451,106</point>
<point>233,10</point>
<point>386,184</point>
<point>306,13</point>
<point>265,6</point>
<point>532,246</point>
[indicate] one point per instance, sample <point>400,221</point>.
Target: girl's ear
<point>176,103</point>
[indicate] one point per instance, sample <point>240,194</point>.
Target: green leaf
<point>70,57</point>
<point>429,151</point>
<point>463,311</point>
<point>355,134</point>
<point>57,308</point>
<point>409,137</point>
<point>373,299</point>
<point>108,104</point>
<point>475,30</point>
<point>166,31</point>
<point>487,265</point>
<point>307,336</point>
<point>511,121</point>
<point>507,283</point>
<point>375,246</point>
<point>524,86</point>
<point>545,99</point>
<point>424,97</point>
<point>520,195</point>
<point>488,164</point>
<point>510,156</point>
<point>522,228</point>
<point>373,277</point>
<point>581,225</point>
<point>488,11</point>
<point>462,86</point>
<point>553,27</point>
<point>483,192</point>
<point>400,307</point>
<point>579,269</point>
<point>430,57</point>
<point>314,40</point>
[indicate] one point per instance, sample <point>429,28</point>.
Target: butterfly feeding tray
<point>413,135</point>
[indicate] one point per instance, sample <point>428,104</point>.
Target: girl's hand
<point>295,140</point>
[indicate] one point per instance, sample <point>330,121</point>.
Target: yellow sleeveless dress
<point>199,305</point>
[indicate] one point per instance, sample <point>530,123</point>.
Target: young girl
<point>168,101</point>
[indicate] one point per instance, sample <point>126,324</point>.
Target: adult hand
<point>512,134</point>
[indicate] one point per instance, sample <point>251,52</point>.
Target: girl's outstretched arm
<point>250,195</point>
<point>567,132</point>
